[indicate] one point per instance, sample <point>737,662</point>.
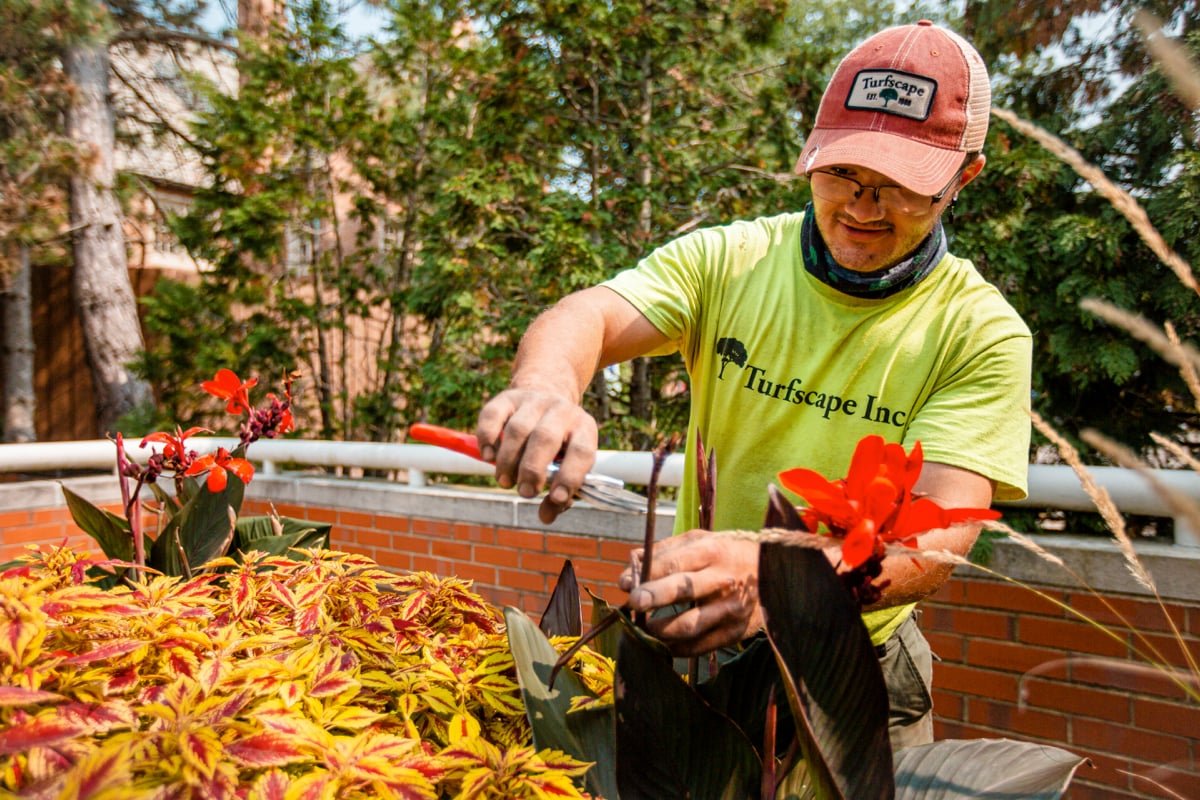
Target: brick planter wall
<point>1013,664</point>
<point>35,513</point>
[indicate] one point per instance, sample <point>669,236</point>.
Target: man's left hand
<point>717,573</point>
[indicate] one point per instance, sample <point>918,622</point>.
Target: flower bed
<point>315,678</point>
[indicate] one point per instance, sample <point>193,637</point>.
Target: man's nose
<point>865,207</point>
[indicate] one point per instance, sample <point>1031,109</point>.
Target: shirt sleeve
<point>979,417</point>
<point>669,285</point>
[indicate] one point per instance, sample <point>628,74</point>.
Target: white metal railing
<point>1049,486</point>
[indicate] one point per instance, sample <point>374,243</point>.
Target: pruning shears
<point>601,490</point>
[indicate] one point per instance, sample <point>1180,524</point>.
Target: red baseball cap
<point>909,102</point>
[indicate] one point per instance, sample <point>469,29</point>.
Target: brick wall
<point>36,514</point>
<point>1018,665</point>
<point>1014,663</point>
<point>510,566</point>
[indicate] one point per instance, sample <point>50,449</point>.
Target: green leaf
<point>165,556</point>
<point>606,642</point>
<point>589,739</point>
<point>834,684</point>
<point>992,768</point>
<point>564,612</point>
<point>200,531</point>
<point>670,743</point>
<point>111,532</point>
<point>258,533</point>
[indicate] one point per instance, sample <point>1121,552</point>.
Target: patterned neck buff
<point>872,285</point>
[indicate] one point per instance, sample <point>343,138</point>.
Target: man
<point>803,333</point>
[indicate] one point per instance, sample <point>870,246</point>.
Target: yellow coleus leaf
<point>560,762</point>
<point>22,629</point>
<point>104,774</point>
<point>303,660</point>
<point>351,718</point>
<point>16,696</point>
<point>271,785</point>
<point>47,729</point>
<point>583,702</point>
<point>333,675</point>
<point>290,692</point>
<point>201,749</point>
<point>243,595</point>
<point>462,726</point>
<point>313,786</point>
<point>268,749</point>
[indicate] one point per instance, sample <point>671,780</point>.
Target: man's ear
<point>972,170</point>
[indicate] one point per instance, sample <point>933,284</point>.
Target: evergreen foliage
<point>501,155</point>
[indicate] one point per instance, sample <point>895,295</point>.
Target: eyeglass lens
<point>840,189</point>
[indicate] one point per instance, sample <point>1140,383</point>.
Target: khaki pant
<point>907,663</point>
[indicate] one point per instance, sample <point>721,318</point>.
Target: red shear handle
<point>464,443</point>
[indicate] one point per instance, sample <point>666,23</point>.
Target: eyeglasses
<point>839,189</point>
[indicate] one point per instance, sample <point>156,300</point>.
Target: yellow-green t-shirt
<point>789,372</point>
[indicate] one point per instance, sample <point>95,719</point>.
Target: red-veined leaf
<point>100,770</point>
<point>291,724</point>
<point>106,652</point>
<point>290,692</point>
<point>268,749</point>
<point>24,630</point>
<point>100,718</point>
<point>462,726</point>
<point>308,619</point>
<point>242,595</point>
<point>201,748</point>
<point>352,719</point>
<point>562,762</point>
<point>332,685</point>
<point>272,785</point>
<point>44,731</point>
<point>11,696</point>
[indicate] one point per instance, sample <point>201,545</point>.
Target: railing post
<point>1185,535</point>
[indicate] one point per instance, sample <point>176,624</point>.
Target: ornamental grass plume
<point>1165,341</point>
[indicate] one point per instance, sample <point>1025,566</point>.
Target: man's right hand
<point>523,430</point>
<point>538,419</point>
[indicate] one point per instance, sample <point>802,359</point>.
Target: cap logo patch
<point>892,92</point>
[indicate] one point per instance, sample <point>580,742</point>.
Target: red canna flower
<point>228,386</point>
<point>874,505</point>
<point>175,454</point>
<point>286,422</point>
<point>217,465</point>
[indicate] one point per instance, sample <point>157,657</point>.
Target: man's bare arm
<point>538,418</point>
<point>950,487</point>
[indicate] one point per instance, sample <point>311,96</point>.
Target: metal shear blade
<point>607,492</point>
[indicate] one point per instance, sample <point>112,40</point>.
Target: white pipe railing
<point>1050,486</point>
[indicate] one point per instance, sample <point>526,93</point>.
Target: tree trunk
<point>256,16</point>
<point>104,298</point>
<point>17,347</point>
<point>641,393</point>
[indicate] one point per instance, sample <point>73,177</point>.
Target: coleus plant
<point>730,736</point>
<point>199,521</point>
<point>275,679</point>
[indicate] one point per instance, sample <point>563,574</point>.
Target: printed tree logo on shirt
<point>730,349</point>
